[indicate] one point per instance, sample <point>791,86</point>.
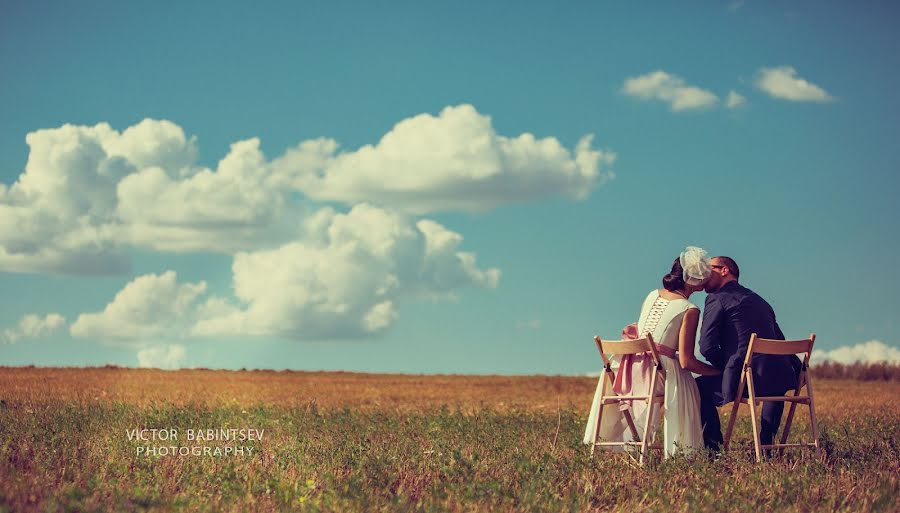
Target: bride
<point>672,320</point>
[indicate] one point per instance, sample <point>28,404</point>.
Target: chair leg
<point>631,427</point>
<point>753,415</point>
<point>790,417</point>
<point>650,403</point>
<point>731,420</point>
<point>734,412</point>
<point>599,418</point>
<point>787,426</point>
<point>645,441</point>
<point>788,422</point>
<point>814,424</point>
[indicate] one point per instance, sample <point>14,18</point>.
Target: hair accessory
<point>694,265</point>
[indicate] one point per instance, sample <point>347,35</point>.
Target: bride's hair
<point>675,279</point>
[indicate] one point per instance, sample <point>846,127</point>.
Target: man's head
<point>724,270</point>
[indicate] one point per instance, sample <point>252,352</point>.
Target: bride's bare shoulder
<point>650,299</point>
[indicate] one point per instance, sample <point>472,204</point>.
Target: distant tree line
<point>859,371</point>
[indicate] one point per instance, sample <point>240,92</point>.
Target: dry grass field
<point>374,442</point>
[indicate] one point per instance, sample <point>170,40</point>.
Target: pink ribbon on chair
<point>624,383</point>
<point>626,379</point>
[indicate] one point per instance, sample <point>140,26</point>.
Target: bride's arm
<point>686,338</point>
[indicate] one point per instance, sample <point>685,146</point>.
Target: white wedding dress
<point>681,413</point>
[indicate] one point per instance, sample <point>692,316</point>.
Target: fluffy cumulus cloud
<point>89,193</point>
<point>345,278</point>
<point>149,308</point>
<point>784,83</point>
<point>34,326</point>
<point>456,161</point>
<point>873,351</point>
<point>60,214</point>
<point>169,356</point>
<point>240,204</point>
<point>671,89</point>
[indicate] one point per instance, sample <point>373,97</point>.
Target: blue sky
<point>765,131</point>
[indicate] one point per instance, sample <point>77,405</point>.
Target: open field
<point>363,442</point>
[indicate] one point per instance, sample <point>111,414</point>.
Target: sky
<point>436,187</point>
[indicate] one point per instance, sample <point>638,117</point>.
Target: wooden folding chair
<point>776,347</point>
<point>625,347</point>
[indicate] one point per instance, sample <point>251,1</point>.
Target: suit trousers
<point>711,396</point>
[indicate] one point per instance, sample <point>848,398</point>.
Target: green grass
<point>61,456</point>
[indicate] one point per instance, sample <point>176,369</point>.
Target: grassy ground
<point>355,442</point>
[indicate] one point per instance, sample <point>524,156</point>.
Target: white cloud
<point>162,357</point>
<point>59,216</point>
<point>784,83</point>
<point>240,205</point>
<point>149,308</point>
<point>34,326</point>
<point>456,161</point>
<point>659,85</point>
<point>734,100</point>
<point>345,279</point>
<point>90,193</point>
<point>873,351</point>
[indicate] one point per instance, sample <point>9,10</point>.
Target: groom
<point>732,313</point>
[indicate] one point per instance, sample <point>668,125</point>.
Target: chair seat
<point>786,398</point>
<point>613,398</point>
<point>610,444</point>
<point>801,444</point>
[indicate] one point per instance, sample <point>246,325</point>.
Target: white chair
<point>639,346</point>
<point>776,347</point>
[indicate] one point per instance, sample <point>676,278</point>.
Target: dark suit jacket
<point>730,316</point>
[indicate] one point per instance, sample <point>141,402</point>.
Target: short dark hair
<point>731,265</point>
<point>674,280</point>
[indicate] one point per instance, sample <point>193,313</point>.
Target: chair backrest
<point>622,347</point>
<point>780,347</point>
<point>609,348</point>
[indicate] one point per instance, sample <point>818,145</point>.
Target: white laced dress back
<point>681,409</point>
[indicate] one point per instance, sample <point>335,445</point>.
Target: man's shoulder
<point>727,292</point>
<point>736,292</point>
<point>745,292</point>
<point>746,298</point>
<point>733,296</point>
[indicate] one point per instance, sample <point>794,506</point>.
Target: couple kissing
<point>732,312</point>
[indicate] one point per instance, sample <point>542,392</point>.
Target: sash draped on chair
<point>627,380</point>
